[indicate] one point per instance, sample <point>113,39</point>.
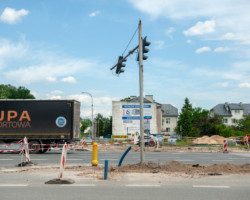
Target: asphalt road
<point>8,160</point>
<point>146,187</point>
<point>30,185</point>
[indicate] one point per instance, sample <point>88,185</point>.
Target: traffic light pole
<point>142,144</point>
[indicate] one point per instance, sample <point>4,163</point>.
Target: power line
<point>130,41</point>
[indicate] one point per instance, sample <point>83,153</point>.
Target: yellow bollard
<point>94,158</point>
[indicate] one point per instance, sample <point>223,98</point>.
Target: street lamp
<point>93,135</point>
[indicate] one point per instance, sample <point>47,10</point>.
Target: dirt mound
<point>174,166</point>
<point>215,139</point>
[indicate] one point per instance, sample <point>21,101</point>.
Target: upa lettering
<point>11,114</point>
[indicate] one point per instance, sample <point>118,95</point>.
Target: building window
<point>225,121</point>
<point>168,121</point>
<point>237,112</point>
<point>233,121</point>
<point>168,130</point>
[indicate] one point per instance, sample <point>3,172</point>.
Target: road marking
<point>143,185</point>
<point>5,159</point>
<point>222,160</point>
<point>39,159</point>
<point>108,159</point>
<point>79,185</point>
<point>74,159</point>
<point>183,160</point>
<point>13,185</point>
<point>211,186</point>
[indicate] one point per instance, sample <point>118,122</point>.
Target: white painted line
<point>211,186</point>
<point>5,159</point>
<point>39,159</point>
<point>183,160</point>
<point>79,185</point>
<point>143,185</point>
<point>74,159</point>
<point>222,160</point>
<point>108,159</point>
<point>13,185</point>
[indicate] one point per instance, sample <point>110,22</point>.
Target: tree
<point>85,124</point>
<point>103,125</point>
<point>11,92</point>
<point>127,99</point>
<point>244,124</point>
<point>185,119</point>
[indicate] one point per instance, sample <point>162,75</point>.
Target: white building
<point>169,119</point>
<point>231,112</point>
<point>126,117</point>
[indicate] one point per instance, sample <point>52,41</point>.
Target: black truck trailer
<point>45,123</point>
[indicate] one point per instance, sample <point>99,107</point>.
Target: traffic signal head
<point>144,49</point>
<point>120,64</point>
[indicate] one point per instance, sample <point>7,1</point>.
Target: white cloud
<point>158,45</point>
<point>46,71</point>
<point>10,51</point>
<point>94,14</point>
<point>201,28</point>
<point>189,41</point>
<point>222,49</point>
<point>102,104</point>
<point>203,49</point>
<point>12,16</point>
<point>228,36</point>
<point>244,85</point>
<point>169,32</point>
<point>231,16</point>
<point>69,79</point>
<point>51,79</point>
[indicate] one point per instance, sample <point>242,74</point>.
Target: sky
<point>59,49</point>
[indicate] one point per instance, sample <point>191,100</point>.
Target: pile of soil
<point>172,168</point>
<point>215,139</point>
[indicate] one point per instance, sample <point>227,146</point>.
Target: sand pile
<point>215,139</point>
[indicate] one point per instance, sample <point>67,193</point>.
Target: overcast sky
<point>58,49</point>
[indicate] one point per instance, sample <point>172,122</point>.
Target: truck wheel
<point>151,143</point>
<point>34,147</point>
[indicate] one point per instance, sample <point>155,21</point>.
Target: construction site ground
<point>171,169</point>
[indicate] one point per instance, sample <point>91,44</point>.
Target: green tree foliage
<point>103,125</point>
<point>11,92</point>
<point>85,124</point>
<point>185,119</point>
<point>195,122</point>
<point>127,99</point>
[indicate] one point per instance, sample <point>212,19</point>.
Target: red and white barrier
<point>63,160</point>
<point>26,148</point>
<point>225,147</point>
<point>9,150</point>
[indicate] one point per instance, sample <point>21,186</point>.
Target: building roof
<point>137,99</point>
<point>226,109</point>
<point>169,110</point>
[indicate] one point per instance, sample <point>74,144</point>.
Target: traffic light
<point>144,49</point>
<point>120,64</point>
